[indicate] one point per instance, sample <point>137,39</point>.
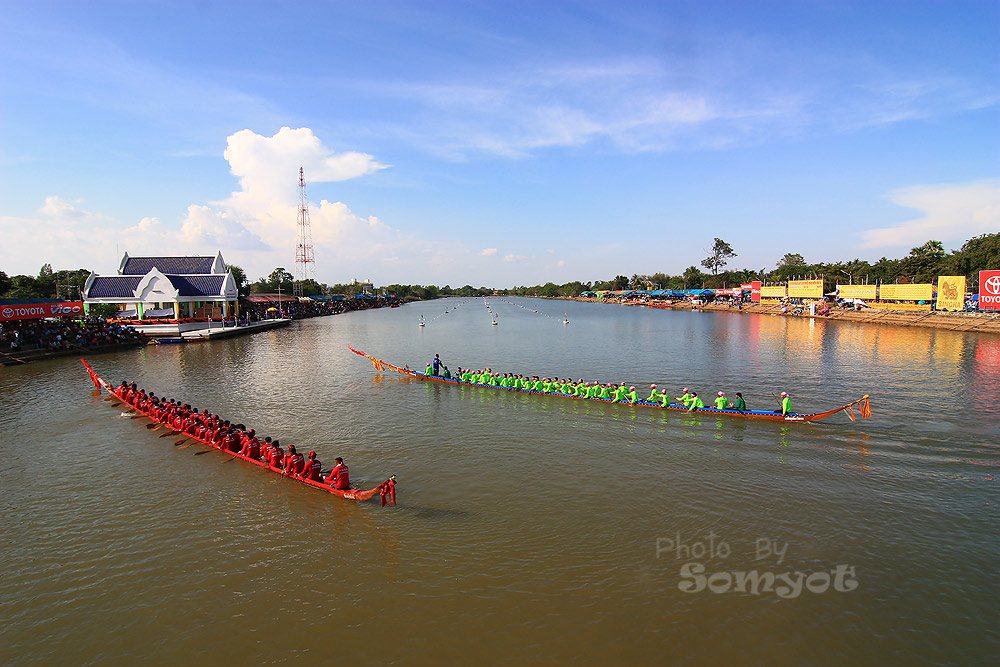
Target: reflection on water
<point>536,513</point>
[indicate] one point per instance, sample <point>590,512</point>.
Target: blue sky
<point>495,143</point>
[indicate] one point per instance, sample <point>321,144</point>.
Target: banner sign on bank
<point>857,291</point>
<point>989,290</point>
<point>810,289</point>
<point>951,293</point>
<point>33,311</point>
<point>906,292</point>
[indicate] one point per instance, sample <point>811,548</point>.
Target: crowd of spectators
<point>302,309</point>
<point>63,334</point>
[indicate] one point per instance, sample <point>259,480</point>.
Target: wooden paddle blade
<point>206,451</point>
<point>137,416</point>
<point>108,398</point>
<point>181,442</point>
<point>152,426</point>
<point>167,435</point>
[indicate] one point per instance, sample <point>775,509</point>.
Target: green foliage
<point>105,310</point>
<point>980,253</point>
<point>720,252</point>
<point>240,276</point>
<point>693,278</point>
<point>792,259</point>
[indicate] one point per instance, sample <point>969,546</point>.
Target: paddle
<point>191,445</point>
<point>202,452</point>
<point>181,442</point>
<point>137,416</point>
<point>172,432</point>
<point>153,426</point>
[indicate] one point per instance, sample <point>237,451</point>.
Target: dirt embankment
<point>971,322</point>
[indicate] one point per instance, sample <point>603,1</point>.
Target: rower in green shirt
<point>685,399</point>
<point>630,395</point>
<point>740,403</point>
<point>786,403</point>
<point>653,394</point>
<point>429,370</point>
<point>721,403</point>
<point>695,402</point>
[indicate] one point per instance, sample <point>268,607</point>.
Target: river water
<point>532,528</point>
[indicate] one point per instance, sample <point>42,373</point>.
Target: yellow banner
<point>899,306</point>
<point>918,292</point>
<point>857,291</point>
<point>772,292</point>
<point>806,288</point>
<point>951,293</point>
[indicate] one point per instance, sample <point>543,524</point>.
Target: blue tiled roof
<point>140,266</point>
<point>111,287</point>
<point>197,285</point>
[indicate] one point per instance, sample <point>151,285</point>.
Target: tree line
<point>921,265</point>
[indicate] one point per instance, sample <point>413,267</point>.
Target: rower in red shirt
<point>312,468</point>
<point>248,440</point>
<point>231,442</point>
<point>294,462</point>
<point>265,450</point>
<point>338,477</point>
<point>253,449</point>
<point>277,456</point>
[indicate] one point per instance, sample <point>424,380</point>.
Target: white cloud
<point>513,258</point>
<point>560,264</point>
<point>952,213</point>
<point>488,252</point>
<point>254,227</point>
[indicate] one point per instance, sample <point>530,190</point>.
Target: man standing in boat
<point>436,364</point>
<point>338,477</point>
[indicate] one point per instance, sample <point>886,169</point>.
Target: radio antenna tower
<point>305,263</point>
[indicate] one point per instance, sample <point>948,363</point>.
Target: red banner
<point>989,290</point>
<point>755,291</point>
<point>32,311</point>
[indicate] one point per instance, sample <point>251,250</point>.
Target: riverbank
<point>951,321</point>
<point>14,358</point>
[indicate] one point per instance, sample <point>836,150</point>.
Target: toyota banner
<point>31,311</point>
<point>989,290</point>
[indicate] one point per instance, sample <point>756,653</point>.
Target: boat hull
<point>384,490</point>
<point>862,403</point>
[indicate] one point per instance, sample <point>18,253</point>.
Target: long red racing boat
<point>386,490</point>
<point>863,403</point>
